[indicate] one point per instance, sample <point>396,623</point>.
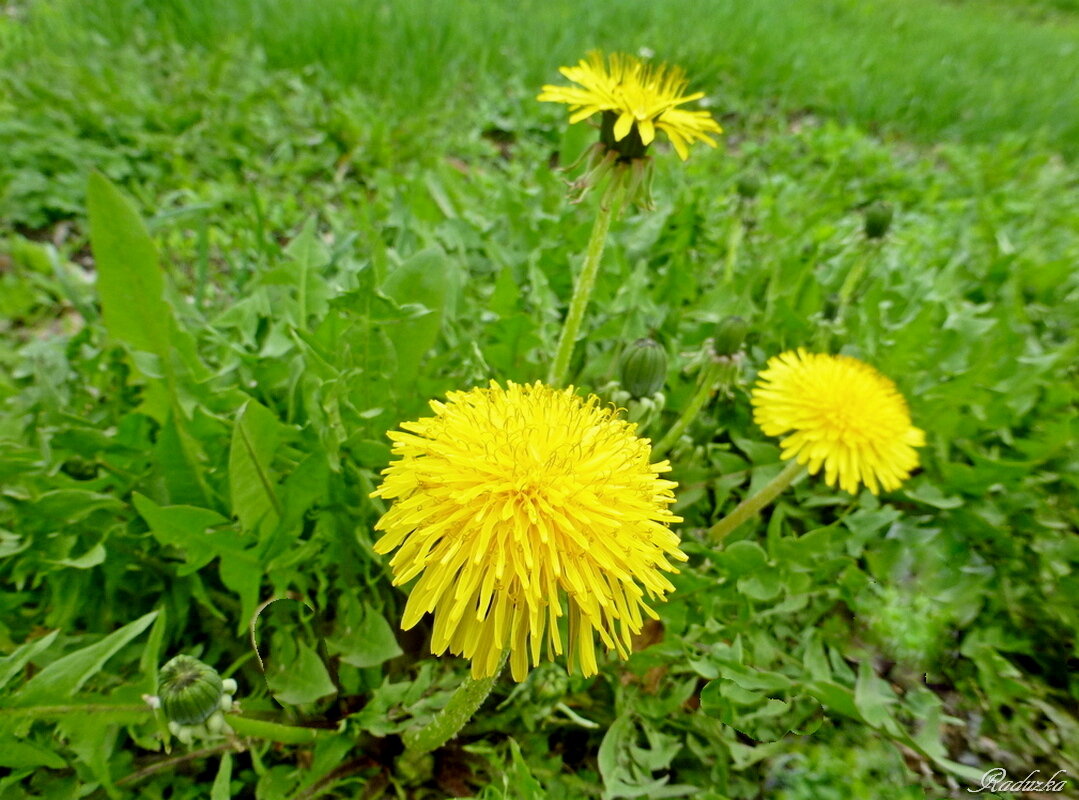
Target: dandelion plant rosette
<point>522,506</point>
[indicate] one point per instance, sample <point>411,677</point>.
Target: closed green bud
<point>730,335</point>
<point>644,368</point>
<point>190,691</point>
<point>748,185</point>
<point>878,218</point>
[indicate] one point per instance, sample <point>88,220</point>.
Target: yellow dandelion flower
<point>840,414</point>
<point>637,99</point>
<point>508,498</point>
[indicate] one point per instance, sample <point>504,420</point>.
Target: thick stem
<point>751,505</point>
<point>582,291</point>
<point>449,721</point>
<point>706,387</point>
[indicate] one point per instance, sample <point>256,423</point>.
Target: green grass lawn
<point>355,207</point>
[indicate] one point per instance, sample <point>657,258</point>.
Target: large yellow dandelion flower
<point>508,498</point>
<point>840,414</point>
<point>637,98</point>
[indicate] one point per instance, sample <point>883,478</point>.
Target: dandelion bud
<point>190,691</point>
<point>878,218</point>
<point>748,185</point>
<point>644,368</point>
<point>729,336</point>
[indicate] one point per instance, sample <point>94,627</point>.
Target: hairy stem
<point>449,721</point>
<point>706,387</point>
<point>582,291</point>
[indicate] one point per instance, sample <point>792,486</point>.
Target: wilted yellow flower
<point>637,98</point>
<point>508,498</point>
<point>840,414</point>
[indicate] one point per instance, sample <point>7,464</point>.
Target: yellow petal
<point>647,131</point>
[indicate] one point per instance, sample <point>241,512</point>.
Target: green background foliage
<point>240,241</point>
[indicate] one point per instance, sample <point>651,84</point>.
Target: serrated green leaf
<point>65,676</point>
<point>519,779</point>
<point>308,253</point>
<point>429,279</point>
<point>221,788</point>
<point>873,697</point>
<point>252,484</point>
<point>12,665</point>
<point>28,755</point>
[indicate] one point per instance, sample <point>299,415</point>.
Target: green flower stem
<point>249,727</point>
<point>751,505</point>
<point>582,291</point>
<point>243,726</point>
<point>706,387</point>
<point>34,712</point>
<point>449,721</point>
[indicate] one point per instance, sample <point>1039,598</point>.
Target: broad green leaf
<point>187,528</point>
<point>506,297</point>
<point>814,661</point>
<point>304,680</point>
<point>252,485</point>
<point>762,585</point>
<point>28,755</point>
<point>308,253</point>
<point>873,696</point>
<point>241,572</point>
<point>64,677</point>
<point>366,639</point>
<point>221,789</point>
<point>150,658</point>
<point>69,506</point>
<point>429,279</point>
<point>329,753</point>
<point>177,464</point>
<point>91,558</point>
<point>93,740</point>
<point>615,741</point>
<point>129,280</point>
<point>742,558</point>
<point>835,698</point>
<point>306,486</point>
<point>755,679</point>
<point>519,780</point>
<point>714,703</point>
<point>12,665</point>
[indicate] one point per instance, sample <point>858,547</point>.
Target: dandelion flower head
<point>510,500</point>
<point>639,97</point>
<point>838,413</point>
